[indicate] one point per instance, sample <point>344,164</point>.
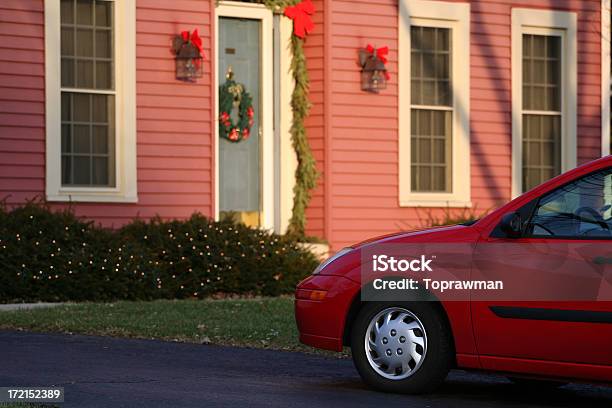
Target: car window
<point>580,209</point>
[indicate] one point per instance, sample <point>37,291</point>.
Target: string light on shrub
<point>150,255</point>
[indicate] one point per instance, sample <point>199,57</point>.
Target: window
<point>431,109</point>
<point>544,96</point>
<point>434,104</point>
<point>579,209</point>
<point>88,133</point>
<point>90,100</point>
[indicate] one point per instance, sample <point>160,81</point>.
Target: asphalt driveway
<point>109,372</point>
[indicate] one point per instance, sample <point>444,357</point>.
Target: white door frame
<point>255,12</point>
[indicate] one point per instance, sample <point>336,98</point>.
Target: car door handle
<point>602,260</point>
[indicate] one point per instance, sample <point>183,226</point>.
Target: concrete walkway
<point>25,306</point>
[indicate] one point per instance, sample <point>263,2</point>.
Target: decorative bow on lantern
<point>380,53</point>
<point>301,15</point>
<point>194,39</point>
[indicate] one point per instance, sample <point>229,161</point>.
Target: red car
<point>410,345</point>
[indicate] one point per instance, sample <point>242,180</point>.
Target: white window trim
<point>457,17</point>
<point>605,77</point>
<point>125,109</point>
<point>544,22</point>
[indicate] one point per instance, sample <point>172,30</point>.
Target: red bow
<point>380,53</point>
<point>195,40</point>
<point>300,14</point>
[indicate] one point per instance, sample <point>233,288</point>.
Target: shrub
<point>56,256</point>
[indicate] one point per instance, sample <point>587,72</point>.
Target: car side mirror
<point>511,225</point>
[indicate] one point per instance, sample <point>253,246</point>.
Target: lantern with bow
<point>189,55</point>
<point>374,74</point>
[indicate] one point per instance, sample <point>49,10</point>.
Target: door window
<point>580,209</point>
<point>240,184</point>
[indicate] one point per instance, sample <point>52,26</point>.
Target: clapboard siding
<point>22,116</point>
<point>353,135</point>
<point>313,49</point>
<point>364,159</point>
<point>174,142</point>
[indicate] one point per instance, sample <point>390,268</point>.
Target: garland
<point>232,94</point>
<point>306,173</point>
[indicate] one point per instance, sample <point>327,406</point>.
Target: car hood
<point>406,236</point>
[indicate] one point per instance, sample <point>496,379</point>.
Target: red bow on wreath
<point>380,53</point>
<point>195,40</point>
<point>300,14</point>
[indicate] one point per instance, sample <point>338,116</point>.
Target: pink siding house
<point>485,99</point>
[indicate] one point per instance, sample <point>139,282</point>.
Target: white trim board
<point>125,109</point>
<point>605,76</point>
<point>288,159</point>
<point>457,17</point>
<point>547,22</point>
<point>255,12</point>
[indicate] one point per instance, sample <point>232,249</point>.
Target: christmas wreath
<point>232,95</point>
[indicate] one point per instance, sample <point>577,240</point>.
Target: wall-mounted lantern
<point>189,56</point>
<point>374,75</point>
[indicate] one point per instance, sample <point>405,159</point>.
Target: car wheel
<point>404,348</point>
<point>536,384</point>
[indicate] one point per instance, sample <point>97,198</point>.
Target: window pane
<point>84,43</point>
<point>66,170</point>
<point>100,139</point>
<point>100,171</point>
<point>67,72</point>
<point>66,139</point>
<point>81,140</point>
<point>67,11</point>
<point>67,40</point>
<point>103,75</point>
<point>66,109</point>
<point>431,150</point>
<point>102,108</point>
<point>430,66</point>
<point>81,107</point>
<point>103,44</point>
<point>82,170</point>
<point>103,13</point>
<point>84,74</point>
<point>84,10</point>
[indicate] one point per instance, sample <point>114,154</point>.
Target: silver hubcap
<point>395,343</point>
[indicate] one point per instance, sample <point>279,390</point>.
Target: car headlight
<point>331,259</point>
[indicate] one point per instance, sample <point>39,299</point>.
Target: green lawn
<point>262,322</point>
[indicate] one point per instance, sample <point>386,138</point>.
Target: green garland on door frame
<point>306,174</point>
